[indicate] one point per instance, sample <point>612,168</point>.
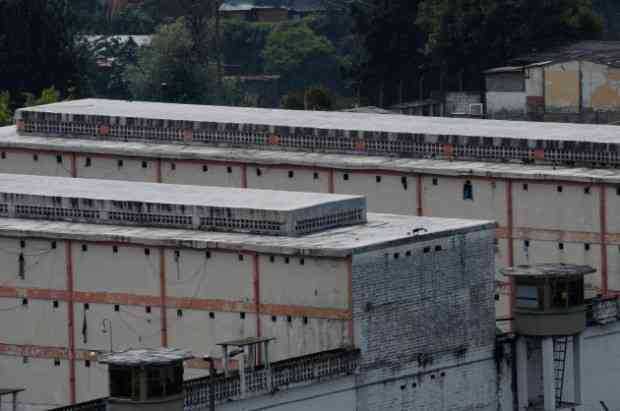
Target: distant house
<point>578,83</point>
<point>291,10</point>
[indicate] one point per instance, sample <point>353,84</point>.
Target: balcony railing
<point>280,375</point>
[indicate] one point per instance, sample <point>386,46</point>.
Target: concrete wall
<point>211,298</point>
<point>563,87</point>
<point>601,86</point>
<point>505,103</point>
<point>419,311</point>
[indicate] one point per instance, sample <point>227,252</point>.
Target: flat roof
<point>548,270</point>
<point>153,356</point>
<point>381,230</point>
<point>10,139</point>
<point>337,120</point>
<point>188,195</point>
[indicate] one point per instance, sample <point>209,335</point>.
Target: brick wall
<point>424,320</point>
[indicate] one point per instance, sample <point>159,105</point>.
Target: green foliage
<point>37,45</point>
<point>318,98</point>
<point>243,43</point>
<point>483,33</point>
<point>301,57</point>
<point>48,96</point>
<point>6,117</point>
<point>167,71</point>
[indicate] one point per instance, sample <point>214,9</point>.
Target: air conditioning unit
<point>476,109</point>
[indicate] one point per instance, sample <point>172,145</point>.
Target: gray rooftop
<point>10,139</point>
<point>187,195</point>
<point>177,206</point>
<point>156,356</point>
<point>336,120</point>
<point>548,270</point>
<point>381,230</point>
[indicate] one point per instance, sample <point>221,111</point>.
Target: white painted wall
<point>505,101</point>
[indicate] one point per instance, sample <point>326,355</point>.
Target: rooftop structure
<point>203,208</point>
<point>379,134</point>
<point>154,356</point>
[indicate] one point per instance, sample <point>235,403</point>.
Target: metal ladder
<point>559,361</point>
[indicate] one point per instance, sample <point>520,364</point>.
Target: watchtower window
<point>122,384</point>
<point>468,191</point>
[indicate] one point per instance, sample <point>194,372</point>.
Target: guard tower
<point>146,379</point>
<point>549,312</point>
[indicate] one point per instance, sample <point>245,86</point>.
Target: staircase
<point>559,361</point>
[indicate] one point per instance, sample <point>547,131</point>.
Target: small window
<point>55,304</point>
<point>496,297</point>
<point>560,189</point>
<point>117,307</point>
<point>345,177</point>
<point>229,169</point>
<point>208,254</point>
<point>147,251</point>
<point>115,249</point>
<point>525,187</point>
<point>3,155</point>
<point>378,179</point>
<point>35,157</point>
<point>396,255</point>
<point>88,162</point>
<point>147,309</point>
<point>259,172</point>
<point>272,258</point>
<point>439,248</point>
<point>408,254</point>
<point>586,246</point>
<point>468,191</point>
<point>205,168</point>
<point>84,247</point>
<point>86,306</point>
<point>435,181</point>
<point>22,244</point>
<point>287,260</point>
<point>426,250</point>
<point>274,318</point>
<point>242,316</point>
<point>586,190</point>
<point>289,319</point>
<point>618,190</point>
<point>212,315</point>
<point>561,246</point>
<point>291,174</point>
<point>120,163</point>
<point>177,256</point>
<point>25,360</point>
<point>404,182</point>
<point>179,313</point>
<point>145,164</point>
<point>526,243</point>
<point>59,159</point>
<point>302,261</point>
<point>53,245</point>
<point>240,257</point>
<point>87,363</point>
<point>56,362</point>
<point>305,320</point>
<point>316,176</point>
<point>173,166</point>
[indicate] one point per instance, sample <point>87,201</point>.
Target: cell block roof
<point>190,207</point>
<point>100,110</point>
<point>548,270</point>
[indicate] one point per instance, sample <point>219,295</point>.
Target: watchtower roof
<point>548,270</point>
<point>155,356</point>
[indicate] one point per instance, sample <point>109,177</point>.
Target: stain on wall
<point>562,87</point>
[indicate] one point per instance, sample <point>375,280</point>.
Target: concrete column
<point>521,364</point>
<point>548,373</point>
<point>578,367</point>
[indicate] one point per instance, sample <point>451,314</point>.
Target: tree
<point>467,36</point>
<point>243,44</point>
<point>37,45</point>
<point>301,57</point>
<point>168,71</point>
<point>387,67</point>
<point>47,96</point>
<point>6,116</point>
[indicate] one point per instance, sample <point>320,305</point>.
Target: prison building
<point>76,282</point>
<point>340,132</point>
